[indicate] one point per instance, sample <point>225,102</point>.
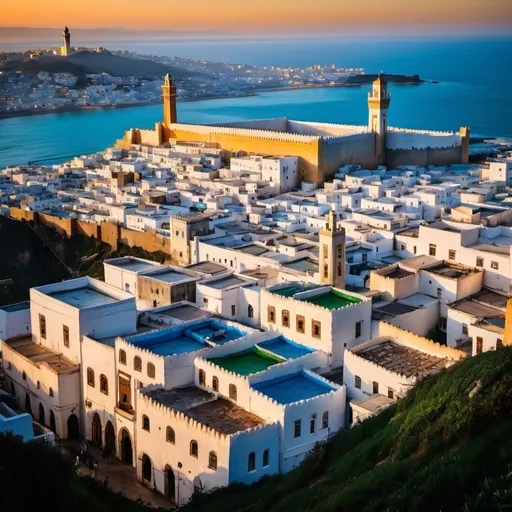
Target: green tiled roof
<point>247,362</point>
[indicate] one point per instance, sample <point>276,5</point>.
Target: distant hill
<point>84,62</point>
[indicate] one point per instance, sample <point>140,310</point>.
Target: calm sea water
<point>474,89</point>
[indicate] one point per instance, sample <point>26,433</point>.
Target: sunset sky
<point>260,16</point>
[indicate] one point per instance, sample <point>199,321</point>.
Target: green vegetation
<point>447,446</point>
<point>34,476</point>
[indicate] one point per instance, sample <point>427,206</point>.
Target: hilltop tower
<point>378,105</point>
<point>66,49</point>
<point>332,253</point>
<point>169,96</point>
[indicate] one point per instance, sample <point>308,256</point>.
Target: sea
<point>474,87</point>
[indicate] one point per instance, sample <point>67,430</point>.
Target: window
<point>479,262</point>
<point>38,385</point>
<point>365,257</point>
<point>137,364</point>
<point>233,310</point>
<point>251,466</point>
<point>42,326</point>
<point>339,250</point>
<point>499,343</point>
<point>312,422</point>
<point>326,271</point>
<point>494,265</point>
<point>51,392</point>
<point>402,247</point>
<point>357,382</point>
<point>350,259</point>
<point>375,387</point>
<point>215,384</point>
<point>90,377</point>
<point>271,315</point>
<point>439,292</point>
<point>316,329</point>
<point>479,345</point>
<point>285,318</point>
<point>145,423</point>
<point>205,300</point>
<point>194,449</point>
<point>297,428</point>
<point>432,249</point>
<point>65,335</point>
<point>24,375</point>
<point>465,329</point>
<point>414,249</point>
<point>266,458</point>
<point>452,254</point>
<point>151,370</point>
<point>212,461</point>
<point>301,324</point>
<point>358,329</point>
<point>202,378</point>
<point>104,384</point>
<point>232,392</point>
<point>170,436</point>
<point>325,419</point>
<point>250,311</point>
<point>122,357</point>
<point>391,393</point>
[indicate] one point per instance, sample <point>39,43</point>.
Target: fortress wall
<point>323,129</point>
<point>421,140</point>
<point>87,229</point>
<point>65,227</point>
<point>351,149</point>
<point>278,124</point>
<point>20,214</point>
<point>150,241</point>
<point>423,157</point>
<point>110,234</point>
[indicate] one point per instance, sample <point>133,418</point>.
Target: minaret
<point>378,105</point>
<point>332,253</point>
<point>169,96</point>
<point>66,49</point>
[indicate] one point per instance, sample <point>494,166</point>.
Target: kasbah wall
<point>108,232</point>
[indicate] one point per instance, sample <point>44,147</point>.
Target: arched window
<point>250,311</point>
<point>170,436</point>
<point>202,378</point>
<point>151,370</point>
<point>357,382</point>
<point>271,316</point>
<point>145,423</point>
<point>122,357</point>
<point>251,466</point>
<point>104,384</point>
<point>266,457</point>
<point>24,375</point>
<point>316,329</point>
<point>212,461</point>
<point>90,377</point>
<point>232,392</point>
<point>137,364</point>
<point>194,449</point>
<point>51,392</point>
<point>285,318</point>
<point>215,384</point>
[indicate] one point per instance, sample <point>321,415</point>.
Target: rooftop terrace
<point>333,299</point>
<point>452,270</point>
<point>225,282</point>
<point>400,359</point>
<point>285,348</point>
<point>85,297</point>
<point>184,313</point>
<point>180,399</point>
<point>207,267</point>
<point>133,264</point>
<point>295,387</point>
<point>302,265</point>
<point>247,362</point>
<point>170,276</point>
<point>12,308</point>
<point>292,289</point>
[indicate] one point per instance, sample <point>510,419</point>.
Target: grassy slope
<point>431,451</point>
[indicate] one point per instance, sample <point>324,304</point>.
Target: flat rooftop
<point>452,270</point>
<point>207,267</point>
<point>400,359</point>
<point>398,273</point>
<point>85,297</point>
<point>302,265</point>
<point>255,250</point>
<point>292,388</point>
<point>12,308</point>
<point>292,289</point>
<point>184,313</point>
<point>373,403</point>
<point>180,399</point>
<point>226,282</point>
<point>133,265</point>
<point>224,416</point>
<point>38,354</point>
<point>285,348</point>
<point>247,362</point>
<point>170,276</point>
<point>333,299</point>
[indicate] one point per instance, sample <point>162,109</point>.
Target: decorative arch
<point>147,469</point>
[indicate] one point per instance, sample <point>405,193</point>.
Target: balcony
<point>125,410</point>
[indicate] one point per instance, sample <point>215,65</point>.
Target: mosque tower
<point>66,49</point>
<point>378,105</point>
<point>169,96</point>
<point>332,253</point>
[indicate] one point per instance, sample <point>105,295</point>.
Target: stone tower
<point>169,96</point>
<point>378,105</point>
<point>66,49</point>
<point>332,253</point>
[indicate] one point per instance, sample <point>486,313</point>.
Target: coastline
<point>245,94</point>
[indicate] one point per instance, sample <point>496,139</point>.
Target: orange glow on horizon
<point>282,16</point>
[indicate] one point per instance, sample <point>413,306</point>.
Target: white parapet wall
<point>401,138</point>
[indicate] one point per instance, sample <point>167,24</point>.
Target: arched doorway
<point>13,389</point>
<point>110,438</point>
<point>41,414</point>
<point>96,429</point>
<point>73,432</point>
<point>126,447</point>
<point>170,484</point>
<point>146,468</point>
<point>53,428</point>
<point>28,406</point>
